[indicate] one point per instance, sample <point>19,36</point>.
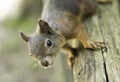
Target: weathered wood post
<point>101,66</point>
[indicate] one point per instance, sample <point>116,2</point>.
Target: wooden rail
<point>100,66</point>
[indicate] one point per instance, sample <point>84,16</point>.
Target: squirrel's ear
<point>44,27</point>
<point>24,37</point>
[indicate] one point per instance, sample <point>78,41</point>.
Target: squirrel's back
<point>72,6</point>
<point>61,14</point>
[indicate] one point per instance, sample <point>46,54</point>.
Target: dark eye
<point>49,43</point>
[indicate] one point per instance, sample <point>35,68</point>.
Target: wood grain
<point>99,66</point>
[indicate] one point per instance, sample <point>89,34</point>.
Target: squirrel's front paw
<point>72,54</point>
<point>71,61</point>
<point>94,45</point>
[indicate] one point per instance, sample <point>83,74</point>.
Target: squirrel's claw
<point>95,45</point>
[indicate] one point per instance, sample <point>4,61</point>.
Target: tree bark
<point>100,66</point>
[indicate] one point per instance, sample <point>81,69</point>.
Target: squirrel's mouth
<point>46,65</point>
<point>47,62</point>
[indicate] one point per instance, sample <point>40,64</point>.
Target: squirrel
<point>61,21</point>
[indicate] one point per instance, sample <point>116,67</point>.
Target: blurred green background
<point>15,63</point>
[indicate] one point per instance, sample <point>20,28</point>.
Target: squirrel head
<point>44,43</point>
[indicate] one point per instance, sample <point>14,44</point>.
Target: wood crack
<point>105,67</point>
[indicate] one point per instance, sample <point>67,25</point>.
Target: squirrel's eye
<point>49,43</point>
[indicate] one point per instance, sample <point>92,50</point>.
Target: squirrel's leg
<point>87,43</point>
<point>104,1</point>
<point>72,52</point>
